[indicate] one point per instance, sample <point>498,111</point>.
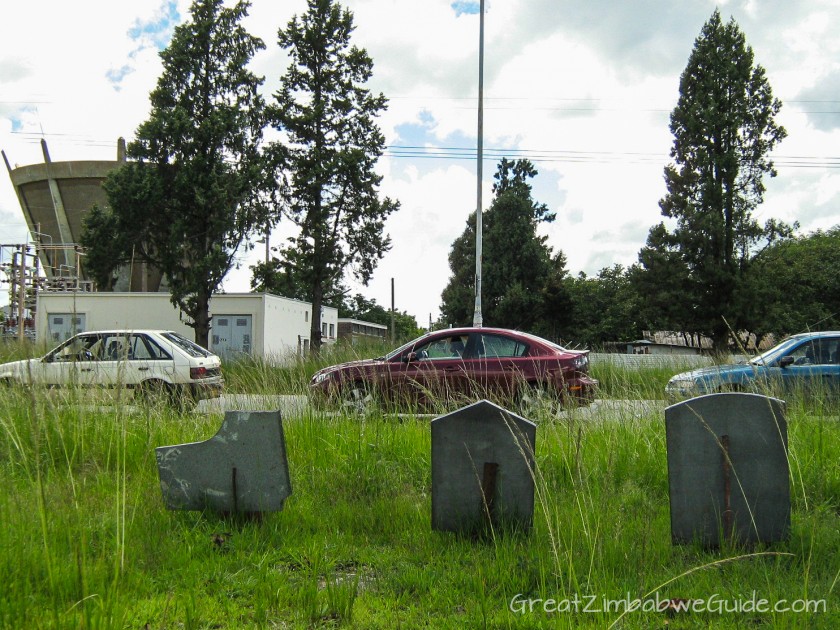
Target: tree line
<point>203,179</point>
<point>708,270</point>
<point>789,285</point>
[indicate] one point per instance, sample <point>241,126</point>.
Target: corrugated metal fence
<point>677,361</point>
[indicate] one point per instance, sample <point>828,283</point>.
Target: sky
<point>582,89</point>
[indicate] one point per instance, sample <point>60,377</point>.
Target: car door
<point>76,362</point>
<point>55,369</point>
<point>812,367</point>
<point>113,373</point>
<point>499,364</point>
<point>148,360</point>
<point>434,370</point>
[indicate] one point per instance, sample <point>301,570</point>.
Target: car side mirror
<point>786,361</point>
<point>410,357</point>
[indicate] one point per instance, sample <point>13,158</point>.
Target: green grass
<point>271,375</point>
<point>87,543</point>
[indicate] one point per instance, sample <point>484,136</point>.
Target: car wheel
<point>536,400</point>
<point>356,398</point>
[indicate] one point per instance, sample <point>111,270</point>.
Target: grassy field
<point>87,543</point>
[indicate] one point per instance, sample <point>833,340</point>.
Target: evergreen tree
<point>794,285</point>
<point>190,195</point>
<point>724,130</point>
<point>330,151</point>
<point>522,278</point>
<point>605,308</point>
<point>661,278</point>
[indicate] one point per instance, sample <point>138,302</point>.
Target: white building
<point>256,324</point>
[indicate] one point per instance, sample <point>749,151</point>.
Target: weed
<point>87,543</point>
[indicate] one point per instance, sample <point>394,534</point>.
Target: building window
<point>332,330</point>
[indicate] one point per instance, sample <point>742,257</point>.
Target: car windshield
<point>404,347</point>
<point>775,353</point>
<point>191,348</point>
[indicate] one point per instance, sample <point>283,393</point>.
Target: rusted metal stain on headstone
<point>482,469</point>
<point>242,469</point>
<point>728,471</point>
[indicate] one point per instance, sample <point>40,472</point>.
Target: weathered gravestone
<point>482,469</point>
<point>728,469</point>
<point>242,469</point>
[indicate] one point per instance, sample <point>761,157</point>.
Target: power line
<point>434,152</point>
<point>593,157</point>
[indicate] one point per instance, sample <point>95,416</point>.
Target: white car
<point>156,364</point>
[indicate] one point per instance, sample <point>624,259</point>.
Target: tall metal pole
<point>477,319</point>
<point>393,327</point>
<point>22,293</point>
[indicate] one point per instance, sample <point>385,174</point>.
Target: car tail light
<point>199,372</point>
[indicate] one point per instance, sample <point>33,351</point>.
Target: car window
<point>497,346</point>
<point>774,354</point>
<point>79,348</point>
<point>145,348</point>
<point>442,348</point>
<point>191,348</point>
<point>114,348</point>
<point>816,352</point>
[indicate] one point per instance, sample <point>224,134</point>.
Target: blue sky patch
<point>470,7</point>
<point>116,75</point>
<point>159,30</point>
<point>17,119</point>
<point>417,145</point>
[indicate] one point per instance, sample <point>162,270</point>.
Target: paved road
<point>601,409</point>
<point>288,405</point>
<point>608,409</point>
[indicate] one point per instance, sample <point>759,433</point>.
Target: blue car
<point>808,363</point>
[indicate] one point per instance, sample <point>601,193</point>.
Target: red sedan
<point>463,364</point>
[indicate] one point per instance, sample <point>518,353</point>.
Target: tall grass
<point>289,374</point>
<point>620,377</point>
<point>87,543</point>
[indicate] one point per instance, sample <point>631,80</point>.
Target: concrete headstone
<point>242,469</point>
<point>482,468</point>
<point>728,469</point>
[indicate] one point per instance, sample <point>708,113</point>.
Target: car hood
<point>18,367</point>
<point>348,365</point>
<point>714,370</point>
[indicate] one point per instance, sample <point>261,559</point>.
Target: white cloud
<point>583,89</point>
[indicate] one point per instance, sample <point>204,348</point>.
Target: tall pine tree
<point>522,280</point>
<point>190,195</point>
<point>724,129</point>
<point>330,150</point>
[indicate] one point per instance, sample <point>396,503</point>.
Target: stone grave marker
<point>482,469</point>
<point>242,469</point>
<point>727,469</point>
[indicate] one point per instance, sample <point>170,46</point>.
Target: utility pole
<point>477,319</point>
<point>393,328</point>
<point>21,293</point>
